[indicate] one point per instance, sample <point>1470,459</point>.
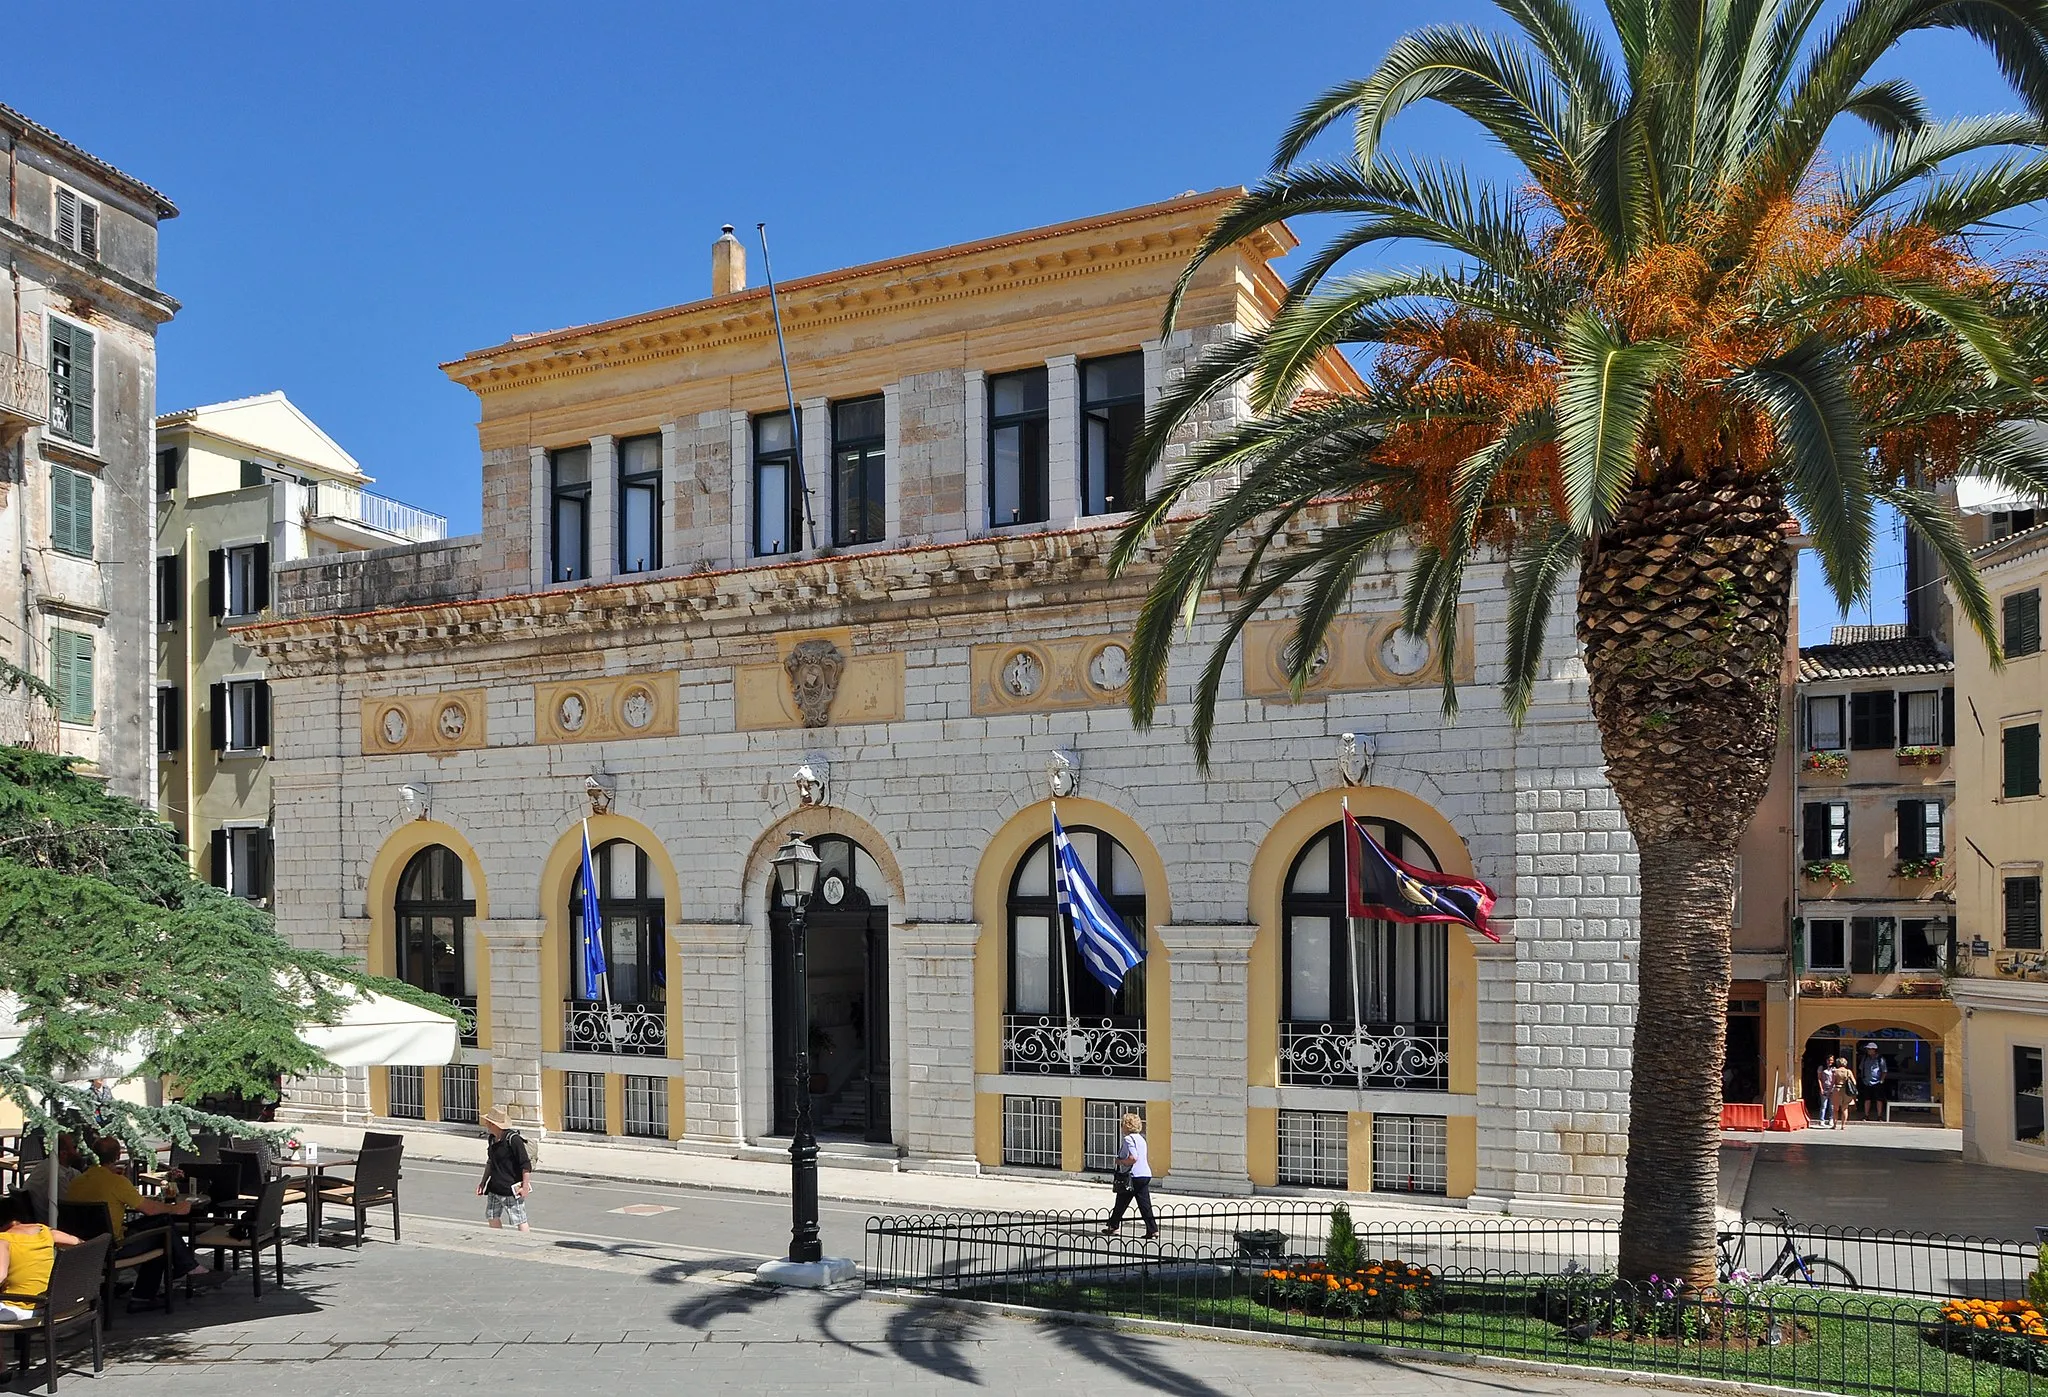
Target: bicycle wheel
<point>1819,1271</point>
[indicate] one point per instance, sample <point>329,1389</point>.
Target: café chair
<point>374,1185</point>
<point>75,1298</point>
<point>263,1227</point>
<point>88,1220</point>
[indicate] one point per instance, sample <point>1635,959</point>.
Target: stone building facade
<point>907,671</point>
<point>79,312</point>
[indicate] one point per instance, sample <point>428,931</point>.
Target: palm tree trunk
<point>1683,606</point>
<point>1674,1138</point>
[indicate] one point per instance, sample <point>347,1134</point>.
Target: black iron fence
<point>1893,1313</point>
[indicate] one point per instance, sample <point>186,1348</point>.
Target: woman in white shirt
<point>1133,1177</point>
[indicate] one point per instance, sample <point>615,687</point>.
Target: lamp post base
<point>811,1275</point>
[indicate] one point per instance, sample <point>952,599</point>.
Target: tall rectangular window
<point>569,514</point>
<point>242,860</point>
<point>2023,913</point>
<point>71,674</point>
<point>1826,834</point>
<point>1920,829</point>
<point>75,221</point>
<point>1824,724</point>
<point>1827,948</point>
<point>2026,1095</point>
<point>859,504</point>
<point>1018,449</point>
<point>168,461</point>
<point>1920,718</point>
<point>71,392</point>
<point>2022,623</point>
<point>1112,412</point>
<point>778,487</point>
<point>170,719</point>
<point>1870,720</point>
<point>246,579</point>
<point>170,589</point>
<point>71,512</point>
<point>1923,944</point>
<point>2022,744</point>
<point>239,711</point>
<point>640,504</point>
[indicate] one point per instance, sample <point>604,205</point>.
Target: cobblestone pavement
<point>457,1308</point>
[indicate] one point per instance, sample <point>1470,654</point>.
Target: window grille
<point>583,1102</point>
<point>1409,1154</point>
<point>1031,1131</point>
<point>1315,1149</point>
<point>408,1093</point>
<point>647,1106</point>
<point>458,1095</point>
<point>1105,1132</point>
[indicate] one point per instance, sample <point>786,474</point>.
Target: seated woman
<point>26,1259</point>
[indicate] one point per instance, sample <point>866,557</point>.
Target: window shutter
<point>1870,720</point>
<point>217,715</point>
<point>266,874</point>
<point>1816,842</point>
<point>1948,716</point>
<point>170,587</point>
<point>1912,831</point>
<point>60,508</point>
<point>82,676</point>
<point>88,229</point>
<point>261,699</point>
<point>1800,957</point>
<point>261,601</point>
<point>67,218</point>
<point>171,721</point>
<point>2023,623</point>
<point>81,514</point>
<point>217,582</point>
<point>1887,945</point>
<point>81,386</point>
<point>218,873</point>
<point>2022,760</point>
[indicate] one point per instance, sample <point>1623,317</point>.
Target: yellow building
<point>2003,990</point>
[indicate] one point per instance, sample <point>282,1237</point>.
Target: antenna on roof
<point>796,427</point>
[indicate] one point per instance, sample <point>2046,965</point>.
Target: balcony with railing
<point>1368,1057</point>
<point>359,509</point>
<point>630,1030</point>
<point>465,1019</point>
<point>24,395</point>
<point>1091,1045</point>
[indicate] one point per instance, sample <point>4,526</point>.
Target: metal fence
<point>1528,1288</point>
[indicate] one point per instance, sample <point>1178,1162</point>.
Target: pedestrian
<point>1824,1081</point>
<point>508,1173</point>
<point>1877,1082</point>
<point>1845,1092</point>
<point>1133,1177</point>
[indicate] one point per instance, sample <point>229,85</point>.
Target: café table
<point>312,1168</point>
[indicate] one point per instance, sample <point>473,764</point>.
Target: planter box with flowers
<point>1932,867</point>
<point>1825,764</point>
<point>1825,986</point>
<point>1922,756</point>
<point>1827,871</point>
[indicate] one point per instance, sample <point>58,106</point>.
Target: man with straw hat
<point>508,1173</point>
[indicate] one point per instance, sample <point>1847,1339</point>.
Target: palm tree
<point>1687,328</point>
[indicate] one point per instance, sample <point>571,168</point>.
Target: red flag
<point>1379,885</point>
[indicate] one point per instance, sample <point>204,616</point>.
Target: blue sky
<point>372,189</point>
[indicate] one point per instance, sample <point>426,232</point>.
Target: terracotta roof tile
<point>1873,657</point>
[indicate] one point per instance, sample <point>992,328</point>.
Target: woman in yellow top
<point>26,1260</point>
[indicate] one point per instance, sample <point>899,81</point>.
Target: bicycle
<point>1792,1265</point>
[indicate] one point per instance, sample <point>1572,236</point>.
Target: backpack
<point>532,1149</point>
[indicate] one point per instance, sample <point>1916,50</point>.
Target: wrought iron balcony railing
<point>1370,1056</point>
<point>24,392</point>
<point>465,1019</point>
<point>1092,1045</point>
<point>635,1030</point>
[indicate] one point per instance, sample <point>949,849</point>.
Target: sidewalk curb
<point>1176,1329</point>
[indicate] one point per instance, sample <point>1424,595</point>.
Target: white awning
<point>1977,496</point>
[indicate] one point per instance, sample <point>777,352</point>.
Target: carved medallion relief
<point>613,708</point>
<point>1045,675</point>
<point>818,680</point>
<point>437,722</point>
<point>1360,652</point>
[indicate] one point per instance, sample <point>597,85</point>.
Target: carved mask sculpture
<point>814,668</point>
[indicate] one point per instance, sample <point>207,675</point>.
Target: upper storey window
<point>1112,411</point>
<point>859,509</point>
<point>778,487</point>
<point>75,222</point>
<point>1018,448</point>
<point>569,515</point>
<point>640,504</point>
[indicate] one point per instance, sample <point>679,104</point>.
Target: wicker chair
<point>375,1184</point>
<point>263,1227</point>
<point>73,1299</point>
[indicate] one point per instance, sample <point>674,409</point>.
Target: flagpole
<point>1351,955</point>
<point>1066,933</point>
<point>604,981</point>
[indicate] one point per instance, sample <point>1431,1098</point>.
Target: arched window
<point>433,911</point>
<point>1370,1008</point>
<point>630,905</point>
<point>1046,973</point>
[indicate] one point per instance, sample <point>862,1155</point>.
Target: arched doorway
<point>1913,1065</point>
<point>846,944</point>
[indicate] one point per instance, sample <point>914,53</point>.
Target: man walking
<point>508,1173</point>
<point>1876,1076</point>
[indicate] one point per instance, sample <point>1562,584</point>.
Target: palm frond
<point>1603,399</point>
<point>1902,159</point>
<point>1891,108</point>
<point>1935,522</point>
<point>1960,202</point>
<point>1538,560</point>
<point>1574,53</point>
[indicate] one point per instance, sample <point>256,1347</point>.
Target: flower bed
<point>2010,1332</point>
<point>1382,1289</point>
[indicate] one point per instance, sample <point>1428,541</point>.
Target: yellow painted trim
<point>988,1128</point>
<point>385,870</point>
<point>999,860</point>
<point>483,1089</point>
<point>1262,1145</point>
<point>1073,1134</point>
<point>558,875</point>
<point>1159,1135</point>
<point>430,1094</point>
<point>1462,1149</point>
<point>380,1091</point>
<point>614,1103</point>
<point>1268,882</point>
<point>1358,1151</point>
<point>550,1098</point>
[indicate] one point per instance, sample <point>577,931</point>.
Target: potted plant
<point>1933,866</point>
<point>1827,871</point>
<point>1826,764</point>
<point>1922,756</point>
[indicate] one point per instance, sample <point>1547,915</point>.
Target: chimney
<point>728,264</point>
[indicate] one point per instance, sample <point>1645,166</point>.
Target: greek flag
<point>1105,947</point>
<point>593,926</point>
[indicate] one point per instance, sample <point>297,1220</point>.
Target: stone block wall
<point>930,461</point>
<point>1210,1009</point>
<point>938,995</point>
<point>505,562</point>
<point>705,478</point>
<point>411,574</point>
<point>714,982</point>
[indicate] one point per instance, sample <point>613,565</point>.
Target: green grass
<point>1853,1344</point>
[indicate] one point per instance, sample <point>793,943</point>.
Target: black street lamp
<point>796,878</point>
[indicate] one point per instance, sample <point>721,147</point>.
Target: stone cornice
<point>146,301</point>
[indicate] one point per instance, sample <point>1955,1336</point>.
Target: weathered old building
<point>697,625</point>
<point>79,311</point>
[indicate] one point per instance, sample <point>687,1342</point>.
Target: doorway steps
<point>832,1154</point>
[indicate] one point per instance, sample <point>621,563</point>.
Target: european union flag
<point>1380,885</point>
<point>594,967</point>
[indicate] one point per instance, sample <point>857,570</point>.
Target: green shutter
<point>81,386</point>
<point>2022,760</point>
<point>60,509</point>
<point>71,512</point>
<point>71,674</point>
